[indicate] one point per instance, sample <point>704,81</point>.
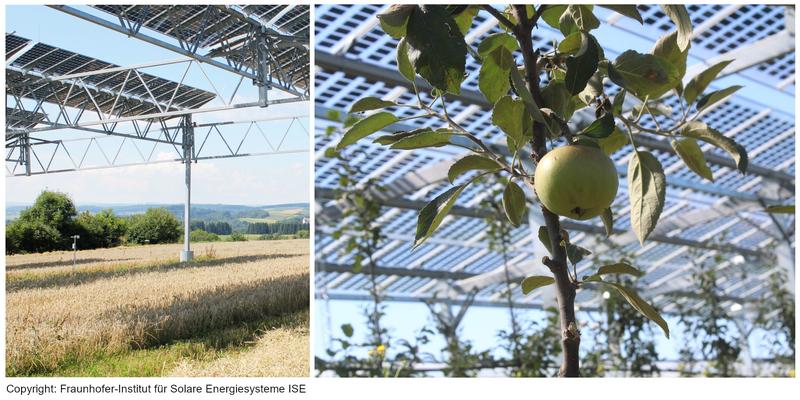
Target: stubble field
<point>239,309</point>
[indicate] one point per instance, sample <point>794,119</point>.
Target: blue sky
<point>254,180</point>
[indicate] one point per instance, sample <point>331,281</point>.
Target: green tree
<point>199,235</point>
<point>532,115</point>
<point>238,237</point>
<point>708,329</point>
<point>26,236</point>
<point>363,238</point>
<point>776,315</point>
<point>156,225</point>
<point>55,209</point>
<point>45,226</point>
<point>103,229</point>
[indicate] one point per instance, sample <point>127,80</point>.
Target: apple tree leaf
<point>647,190</point>
<point>534,282</point>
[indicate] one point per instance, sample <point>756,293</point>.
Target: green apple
<point>576,181</point>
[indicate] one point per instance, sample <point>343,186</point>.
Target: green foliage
<point>371,103</point>
<point>533,348</point>
<point>680,16</point>
<point>103,229</point>
<point>32,236</point>
<point>601,128</point>
<point>366,127</point>
<point>641,306</point>
<point>536,348</point>
<point>702,131</point>
<point>55,209</point>
<point>218,227</point>
<point>534,282</point>
<point>436,47</point>
<point>667,49</point>
<point>691,154</point>
<point>699,83</point>
<point>629,11</point>
<point>647,189</point>
<point>493,77</point>
<point>623,341</point>
<point>715,97</point>
<point>470,163</point>
<point>277,228</point>
<point>199,235</point>
<point>45,226</point>
<point>582,66</point>
<point>707,328</point>
<point>514,203</point>
<point>623,337</point>
<point>156,225</point>
<point>511,117</point>
<point>363,237</point>
<point>421,138</point>
<point>432,215</point>
<point>460,359</point>
<point>608,221</point>
<point>238,237</point>
<point>619,268</point>
<point>643,75</point>
<point>787,209</point>
<point>776,315</point>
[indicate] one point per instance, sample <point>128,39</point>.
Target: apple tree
<point>535,104</point>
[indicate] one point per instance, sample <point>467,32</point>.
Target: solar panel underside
<point>21,119</point>
<point>31,75</point>
<point>213,27</point>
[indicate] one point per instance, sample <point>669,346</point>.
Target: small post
<point>188,146</point>
<point>75,251</point>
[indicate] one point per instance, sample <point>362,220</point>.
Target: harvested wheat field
<point>239,309</point>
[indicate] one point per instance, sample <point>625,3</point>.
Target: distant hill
<point>237,215</point>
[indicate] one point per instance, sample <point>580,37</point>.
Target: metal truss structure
<point>354,58</point>
<point>128,115</point>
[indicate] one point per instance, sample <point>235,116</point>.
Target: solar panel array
<point>216,28</point>
<point>460,244</point>
<point>21,119</point>
<point>30,76</point>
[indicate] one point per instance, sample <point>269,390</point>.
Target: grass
<point>109,312</point>
<point>200,356</point>
<point>279,351</point>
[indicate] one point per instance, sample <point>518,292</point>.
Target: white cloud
<point>250,180</point>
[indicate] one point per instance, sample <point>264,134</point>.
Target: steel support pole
<point>263,70</point>
<point>188,146</point>
<point>26,152</point>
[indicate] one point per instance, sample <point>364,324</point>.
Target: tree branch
<point>565,293</point>
<point>499,16</point>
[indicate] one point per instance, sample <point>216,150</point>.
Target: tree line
<point>216,227</point>
<point>50,223</point>
<point>280,228</point>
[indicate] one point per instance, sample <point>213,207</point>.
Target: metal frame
<point>251,47</point>
<point>50,90</point>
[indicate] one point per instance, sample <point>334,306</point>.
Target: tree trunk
<point>565,288</point>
